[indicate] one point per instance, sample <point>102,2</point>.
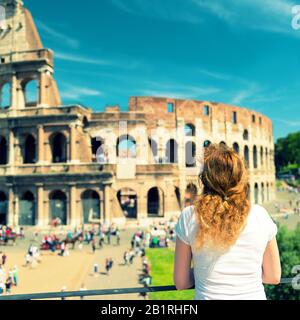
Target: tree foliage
<point>287,151</point>
<point>289,248</point>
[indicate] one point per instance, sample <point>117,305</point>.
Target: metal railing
<point>103,292</point>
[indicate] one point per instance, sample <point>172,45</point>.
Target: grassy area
<point>162,261</point>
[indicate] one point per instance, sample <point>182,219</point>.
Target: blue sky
<point>232,51</point>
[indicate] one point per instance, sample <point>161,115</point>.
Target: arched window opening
<point>27,206</point>
<point>262,193</point>
<point>3,151</point>
<point>246,135</point>
<point>30,149</point>
<point>246,156</point>
<point>99,153</point>
<point>190,154</point>
<point>126,147</point>
<point>155,202</point>
<point>90,201</point>
<point>128,202</point>
<point>255,157</point>
<point>3,208</point>
<point>5,95</point>
<point>236,148</point>
<point>206,143</point>
<point>206,110</point>
<point>256,193</point>
<point>189,130</point>
<point>31,93</point>
<point>261,156</point>
<point>172,151</point>
<point>58,206</point>
<point>59,148</point>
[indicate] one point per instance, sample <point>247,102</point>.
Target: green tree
<point>289,247</point>
<point>287,151</point>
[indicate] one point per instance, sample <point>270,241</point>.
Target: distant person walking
<point>108,235</point>
<point>62,248</point>
<point>3,259</point>
<point>8,284</point>
<point>94,246</point>
<point>16,276</point>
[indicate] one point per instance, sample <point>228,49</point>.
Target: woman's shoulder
<point>188,213</point>
<point>260,215</point>
<point>259,211</point>
<point>185,226</point>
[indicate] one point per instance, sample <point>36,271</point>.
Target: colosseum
<point>81,166</point>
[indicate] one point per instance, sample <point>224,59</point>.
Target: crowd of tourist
<point>290,207</point>
<point>7,279</point>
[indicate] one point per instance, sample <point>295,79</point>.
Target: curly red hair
<point>224,205</point>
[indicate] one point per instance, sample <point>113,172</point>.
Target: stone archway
<point>58,206</point>
<point>190,154</point>
<point>29,150</point>
<point>90,200</point>
<point>128,201</point>
<point>155,202</point>
<point>172,151</point>
<point>126,147</point>
<point>3,151</point>
<point>27,213</point>
<point>59,148</point>
<point>3,208</point>
<point>256,191</point>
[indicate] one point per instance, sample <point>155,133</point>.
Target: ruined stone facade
<point>84,166</point>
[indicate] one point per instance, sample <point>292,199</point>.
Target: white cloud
<point>268,15</point>
<point>58,36</point>
<point>171,10</point>
<point>215,75</point>
<point>289,123</point>
<point>70,57</point>
<point>80,59</point>
<point>179,92</point>
<point>76,92</point>
<point>245,94</point>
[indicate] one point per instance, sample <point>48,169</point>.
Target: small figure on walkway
<point>94,245</point>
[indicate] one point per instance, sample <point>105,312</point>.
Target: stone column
<point>40,144</point>
<point>14,93</point>
<point>102,206</point>
<point>42,87</point>
<point>74,217</point>
<point>11,147</point>
<point>142,204</point>
<point>17,210</point>
<point>41,218</point>
<point>72,143</point>
<point>107,203</point>
<point>11,207</point>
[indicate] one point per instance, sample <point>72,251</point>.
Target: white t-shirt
<point>237,273</point>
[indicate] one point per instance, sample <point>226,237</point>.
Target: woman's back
<point>237,272</point>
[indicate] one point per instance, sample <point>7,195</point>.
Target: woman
<point>232,244</point>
